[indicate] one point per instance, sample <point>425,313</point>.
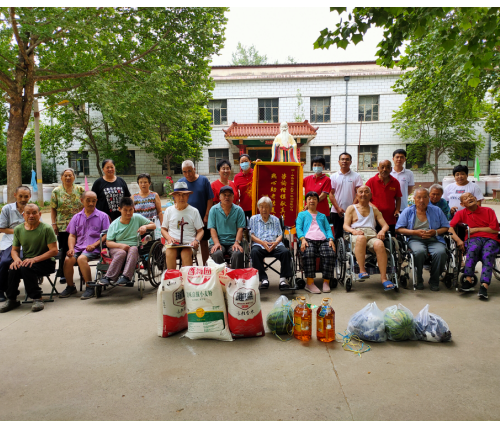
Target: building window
<point>79,162</point>
<point>368,157</point>
<point>320,151</point>
<point>320,109</point>
<point>368,108</point>
<point>175,167</point>
<point>268,110</point>
<point>214,155</point>
<point>129,167</point>
<point>417,163</point>
<point>218,110</point>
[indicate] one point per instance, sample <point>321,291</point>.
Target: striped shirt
<point>265,231</point>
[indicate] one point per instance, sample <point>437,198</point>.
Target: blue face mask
<point>317,169</point>
<point>244,165</point>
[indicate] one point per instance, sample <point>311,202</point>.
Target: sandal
<point>362,276</point>
<point>264,284</point>
<point>284,286</point>
<point>386,285</point>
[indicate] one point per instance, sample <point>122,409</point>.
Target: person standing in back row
<point>320,184</point>
<point>403,175</point>
<point>453,192</point>
<point>344,183</point>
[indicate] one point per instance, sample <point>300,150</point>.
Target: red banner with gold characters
<point>282,183</point>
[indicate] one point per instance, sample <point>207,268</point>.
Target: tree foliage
<point>247,56</point>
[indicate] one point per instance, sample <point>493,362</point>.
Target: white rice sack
<point>223,278</point>
<point>171,304</point>
<point>206,309</point>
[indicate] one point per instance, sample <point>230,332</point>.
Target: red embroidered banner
<point>282,183</point>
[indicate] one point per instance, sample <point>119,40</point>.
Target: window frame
<point>373,161</point>
<point>222,111</point>
<point>362,114</point>
<point>275,117</point>
<point>76,160</point>
<point>214,159</point>
<point>313,116</point>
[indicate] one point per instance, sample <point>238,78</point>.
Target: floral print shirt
<point>66,205</point>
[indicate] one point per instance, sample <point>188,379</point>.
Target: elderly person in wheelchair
<point>425,225</point>
<point>360,220</point>
<point>316,240</point>
<point>267,235</point>
<point>483,243</point>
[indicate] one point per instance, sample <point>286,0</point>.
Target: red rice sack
<point>207,317</point>
<point>243,304</point>
<point>171,304</point>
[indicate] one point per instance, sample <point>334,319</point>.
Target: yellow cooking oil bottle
<point>325,321</point>
<point>302,320</point>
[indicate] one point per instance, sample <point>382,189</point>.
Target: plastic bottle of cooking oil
<point>302,319</point>
<point>325,321</point>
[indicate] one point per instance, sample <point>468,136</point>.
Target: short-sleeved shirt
<point>244,185</point>
<point>482,217</point>
<point>226,226</point>
<point>126,234</point>
<point>34,243</point>
<point>66,204</point>
<point>345,185</point>
<point>453,192</point>
<point>9,219</point>
<point>319,186</point>
<point>202,192</point>
<point>87,229</point>
<point>146,206</point>
<point>217,185</point>
<point>406,180</point>
<point>192,222</point>
<point>109,195</point>
<point>384,196</point>
<point>265,231</point>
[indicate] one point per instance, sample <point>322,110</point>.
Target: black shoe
<point>483,293</point>
<point>264,284</point>
<point>434,287</point>
<point>466,287</point>
<point>2,297</point>
<point>68,291</point>
<point>420,286</point>
<point>89,293</point>
<point>9,305</point>
<point>284,286</point>
<point>123,281</point>
<point>104,281</point>
<point>62,280</point>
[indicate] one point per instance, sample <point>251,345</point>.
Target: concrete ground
<point>102,359</point>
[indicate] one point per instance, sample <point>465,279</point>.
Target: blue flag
<point>33,181</point>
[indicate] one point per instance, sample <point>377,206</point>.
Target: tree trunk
<point>169,171</point>
<point>15,134</point>
<point>436,167</point>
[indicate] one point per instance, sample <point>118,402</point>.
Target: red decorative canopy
<point>268,130</point>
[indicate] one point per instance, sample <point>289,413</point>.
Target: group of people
<point>214,216</point>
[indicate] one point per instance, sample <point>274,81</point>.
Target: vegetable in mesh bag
<point>399,323</point>
<point>431,327</point>
<point>280,319</point>
<point>368,324</point>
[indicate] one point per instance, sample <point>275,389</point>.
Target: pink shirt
<point>314,231</point>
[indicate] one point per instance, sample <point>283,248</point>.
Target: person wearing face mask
<point>320,184</point>
<point>224,169</point>
<point>243,182</point>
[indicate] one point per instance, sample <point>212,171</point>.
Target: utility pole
<point>38,154</point>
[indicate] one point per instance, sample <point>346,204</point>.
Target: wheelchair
<point>346,275</point>
<point>452,267</point>
<point>149,265</point>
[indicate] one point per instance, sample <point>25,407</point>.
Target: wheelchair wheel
<point>348,284</point>
<point>140,288</point>
<point>246,253</point>
<point>497,266</point>
<point>474,279</point>
<point>98,291</point>
<point>448,281</point>
<point>403,281</point>
<point>156,264</point>
<point>300,283</point>
<point>456,270</point>
<point>340,266</point>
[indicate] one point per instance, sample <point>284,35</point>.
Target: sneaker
<point>434,287</point>
<point>284,285</point>
<point>420,286</point>
<point>68,291</point>
<point>2,297</point>
<point>9,305</point>
<point>264,284</point>
<point>104,281</point>
<point>313,289</point>
<point>466,286</point>
<point>62,280</point>
<point>37,305</point>
<point>89,293</point>
<point>326,287</point>
<point>123,281</point>
<point>483,293</point>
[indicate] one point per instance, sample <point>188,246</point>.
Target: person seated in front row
<point>316,240</point>
<point>360,220</point>
<point>436,195</point>
<point>483,243</point>
<point>84,230</point>
<point>39,244</point>
<point>122,243</point>
<point>226,222</point>
<point>10,217</point>
<point>425,224</point>
<point>181,221</point>
<point>266,233</point>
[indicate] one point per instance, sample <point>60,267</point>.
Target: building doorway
<point>262,153</point>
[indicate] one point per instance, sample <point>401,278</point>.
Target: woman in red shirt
<point>243,182</point>
<point>224,169</point>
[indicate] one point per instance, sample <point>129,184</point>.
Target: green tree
<point>63,50</point>
<point>246,56</point>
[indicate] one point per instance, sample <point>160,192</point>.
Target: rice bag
<point>206,309</point>
<point>399,323</point>
<point>368,324</point>
<point>280,318</point>
<point>223,278</point>
<point>430,327</point>
<point>244,313</point>
<point>171,304</point>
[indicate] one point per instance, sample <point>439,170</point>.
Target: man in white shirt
<point>345,182</point>
<point>453,192</point>
<point>404,176</point>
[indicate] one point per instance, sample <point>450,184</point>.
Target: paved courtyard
<point>102,359</point>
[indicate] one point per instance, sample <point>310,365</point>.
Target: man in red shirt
<point>386,194</point>
<point>483,243</point>
<point>320,184</point>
